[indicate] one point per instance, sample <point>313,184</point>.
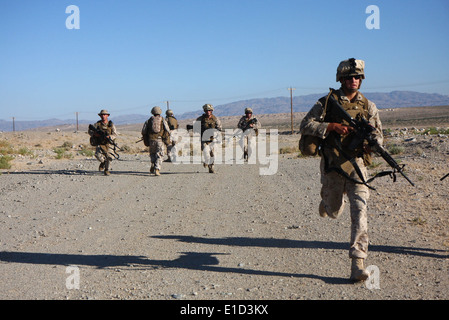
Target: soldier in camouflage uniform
<point>338,175</point>
<point>249,125</point>
<point>173,125</point>
<point>103,149</point>
<point>157,132</point>
<point>208,121</point>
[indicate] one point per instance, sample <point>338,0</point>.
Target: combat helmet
<point>169,113</point>
<point>208,107</point>
<point>156,111</point>
<point>248,110</point>
<point>351,67</point>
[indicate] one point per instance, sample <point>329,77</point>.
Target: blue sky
<point>128,56</point>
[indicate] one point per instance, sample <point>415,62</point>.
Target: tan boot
<point>321,210</point>
<point>152,168</point>
<point>106,168</point>
<point>211,168</point>
<point>156,172</point>
<point>358,272</point>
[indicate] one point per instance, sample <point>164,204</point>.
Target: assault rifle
<point>364,131</point>
<point>444,177</point>
<point>250,122</point>
<point>103,138</point>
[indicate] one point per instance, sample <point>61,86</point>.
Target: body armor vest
<point>172,123</point>
<point>106,128</point>
<point>207,123</point>
<point>336,148</point>
<point>152,135</point>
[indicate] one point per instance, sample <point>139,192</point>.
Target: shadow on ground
<point>206,261</point>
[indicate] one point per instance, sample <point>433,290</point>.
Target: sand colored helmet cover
<point>351,67</point>
<point>208,107</point>
<point>156,111</point>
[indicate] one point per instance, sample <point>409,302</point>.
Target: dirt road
<point>68,232</point>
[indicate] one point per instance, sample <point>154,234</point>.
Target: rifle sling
<point>114,152</point>
<point>353,162</point>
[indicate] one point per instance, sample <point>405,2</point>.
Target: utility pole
<point>168,104</point>
<point>13,124</point>
<point>291,105</point>
<point>76,121</point>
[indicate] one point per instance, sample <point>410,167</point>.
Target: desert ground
<point>70,233</point>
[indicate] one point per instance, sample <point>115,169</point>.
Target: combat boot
<point>358,272</point>
<point>322,210</point>
<point>152,168</point>
<point>101,167</point>
<point>211,168</point>
<point>106,168</point>
<point>156,172</point>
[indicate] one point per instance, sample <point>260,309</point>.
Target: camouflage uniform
<point>156,140</point>
<point>336,185</point>
<point>173,125</point>
<point>247,140</point>
<point>208,144</point>
<point>103,151</point>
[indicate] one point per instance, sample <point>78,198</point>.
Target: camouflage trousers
<point>207,149</point>
<point>103,154</point>
<point>156,153</point>
<point>247,142</point>
<point>171,148</point>
<point>334,187</point>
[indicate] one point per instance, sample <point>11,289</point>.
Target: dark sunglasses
<point>357,77</point>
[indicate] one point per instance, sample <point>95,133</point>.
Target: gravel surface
<point>232,235</point>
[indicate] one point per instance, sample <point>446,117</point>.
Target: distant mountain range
<point>394,99</point>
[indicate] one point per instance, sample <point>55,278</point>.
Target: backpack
<point>153,129</point>
<point>155,124</point>
<point>310,145</point>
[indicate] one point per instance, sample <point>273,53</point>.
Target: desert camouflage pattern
<point>351,67</point>
<point>156,144</point>
<point>247,138</point>
<point>156,153</point>
<point>335,186</point>
<point>103,152</point>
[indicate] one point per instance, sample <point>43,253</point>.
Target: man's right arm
<point>311,124</point>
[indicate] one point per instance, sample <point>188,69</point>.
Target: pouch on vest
<point>94,141</point>
<point>146,140</point>
<point>309,145</point>
<point>145,134</point>
<point>99,140</point>
<point>156,124</point>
